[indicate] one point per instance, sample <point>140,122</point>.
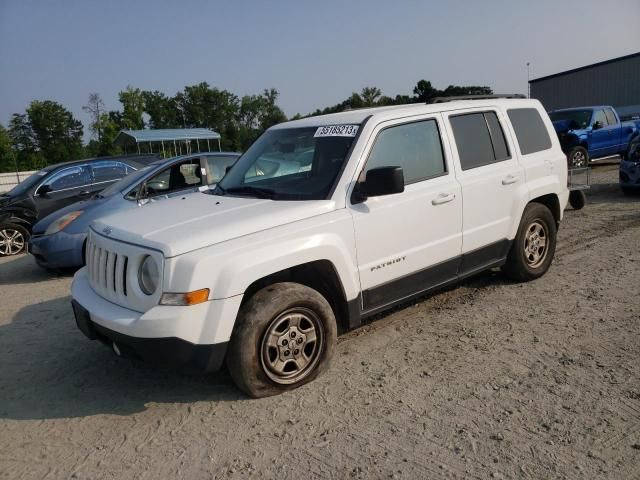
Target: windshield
<point>291,164</point>
<point>27,183</point>
<point>576,118</point>
<point>125,183</point>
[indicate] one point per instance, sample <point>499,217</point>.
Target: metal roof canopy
<point>182,135</point>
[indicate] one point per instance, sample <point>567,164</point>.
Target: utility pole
<point>528,82</point>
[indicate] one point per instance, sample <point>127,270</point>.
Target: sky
<point>316,53</point>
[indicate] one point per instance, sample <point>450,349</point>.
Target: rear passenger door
<point>408,242</point>
<point>492,180</point>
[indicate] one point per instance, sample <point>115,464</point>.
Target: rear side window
<point>530,130</point>
<point>611,118</point>
<point>109,171</point>
<point>414,146</point>
<point>480,139</point>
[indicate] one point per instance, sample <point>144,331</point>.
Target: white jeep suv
<point>323,222</point>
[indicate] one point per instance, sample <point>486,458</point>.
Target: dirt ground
<point>490,379</point>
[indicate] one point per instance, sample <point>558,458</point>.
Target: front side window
<point>291,163</point>
<point>415,147</point>
<point>479,138</point>
<point>218,165</point>
<point>183,175</point>
<point>530,130</point>
<point>70,177</point>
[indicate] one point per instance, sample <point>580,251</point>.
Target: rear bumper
<point>59,250</point>
<point>168,352</point>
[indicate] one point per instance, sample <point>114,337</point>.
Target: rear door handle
<point>84,193</point>
<point>443,198</point>
<point>509,179</point>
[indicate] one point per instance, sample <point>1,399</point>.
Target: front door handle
<point>509,179</point>
<point>443,198</point>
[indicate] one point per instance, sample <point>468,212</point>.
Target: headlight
<point>62,222</point>
<point>148,275</point>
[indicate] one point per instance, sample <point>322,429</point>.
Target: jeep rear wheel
<point>284,337</point>
<point>533,248</point>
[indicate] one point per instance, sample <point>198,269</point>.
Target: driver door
<point>409,242</point>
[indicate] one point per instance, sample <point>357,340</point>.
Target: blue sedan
<point>58,240</point>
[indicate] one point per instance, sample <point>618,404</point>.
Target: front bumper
<point>59,250</point>
<point>188,338</point>
<point>163,352</point>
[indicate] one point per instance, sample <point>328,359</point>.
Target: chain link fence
<point>10,180</point>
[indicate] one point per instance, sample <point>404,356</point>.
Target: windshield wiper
<point>258,192</point>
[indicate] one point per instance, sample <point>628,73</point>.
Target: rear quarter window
<point>531,131</point>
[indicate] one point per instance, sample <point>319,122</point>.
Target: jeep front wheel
<point>284,337</point>
<point>533,248</point>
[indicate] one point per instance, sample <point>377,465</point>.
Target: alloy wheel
<point>11,241</point>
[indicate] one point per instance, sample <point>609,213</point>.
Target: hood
<point>182,224</point>
<point>561,126</point>
<point>564,126</point>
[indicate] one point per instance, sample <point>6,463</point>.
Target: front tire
<point>284,337</point>
<point>13,239</point>
<point>578,157</point>
<point>533,249</point>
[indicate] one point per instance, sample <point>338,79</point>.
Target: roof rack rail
<point>476,97</point>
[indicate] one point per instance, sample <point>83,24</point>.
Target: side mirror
<point>597,125</point>
<point>378,182</point>
<point>44,190</point>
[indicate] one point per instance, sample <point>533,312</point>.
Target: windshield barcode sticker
<point>337,131</point>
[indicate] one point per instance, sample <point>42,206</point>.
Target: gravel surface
<point>490,379</point>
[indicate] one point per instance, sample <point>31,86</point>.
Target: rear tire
<point>533,248</point>
<point>13,239</point>
<point>577,199</point>
<point>284,337</point>
<point>578,157</point>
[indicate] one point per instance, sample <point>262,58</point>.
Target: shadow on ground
<point>23,269</point>
<point>50,370</point>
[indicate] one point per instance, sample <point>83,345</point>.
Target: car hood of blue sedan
<point>91,209</point>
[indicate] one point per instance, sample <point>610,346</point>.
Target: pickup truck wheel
<point>13,239</point>
<point>577,199</point>
<point>284,337</point>
<point>578,157</point>
<point>532,250</point>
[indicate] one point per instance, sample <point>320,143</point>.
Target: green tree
<point>132,102</point>
<point>7,155</point>
<point>162,110</point>
<point>370,96</point>
<point>57,134</point>
<point>23,142</point>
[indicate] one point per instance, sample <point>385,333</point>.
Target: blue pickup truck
<point>591,133</point>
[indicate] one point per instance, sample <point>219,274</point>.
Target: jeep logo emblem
<point>107,230</point>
